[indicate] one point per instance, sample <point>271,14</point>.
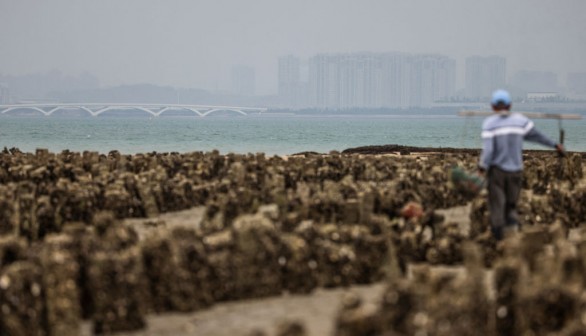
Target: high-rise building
<point>535,81</point>
<point>576,82</point>
<point>4,94</point>
<point>484,75</point>
<point>432,78</point>
<point>243,80</point>
<point>290,87</point>
<point>377,80</point>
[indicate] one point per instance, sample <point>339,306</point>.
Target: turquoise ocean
<point>275,134</point>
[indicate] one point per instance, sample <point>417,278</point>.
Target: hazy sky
<point>194,43</point>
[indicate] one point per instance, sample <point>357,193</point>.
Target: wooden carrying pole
<point>533,115</point>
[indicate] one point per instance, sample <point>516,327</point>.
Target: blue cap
<point>501,97</point>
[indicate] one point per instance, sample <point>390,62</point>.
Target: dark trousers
<point>503,192</point>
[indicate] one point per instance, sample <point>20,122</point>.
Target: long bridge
<point>95,109</point>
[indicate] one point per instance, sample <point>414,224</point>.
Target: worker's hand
<point>560,149</point>
<point>481,171</point>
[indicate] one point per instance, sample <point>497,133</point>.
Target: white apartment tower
<point>379,80</point>
<point>289,81</point>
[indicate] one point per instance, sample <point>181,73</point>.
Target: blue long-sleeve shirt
<point>502,141</point>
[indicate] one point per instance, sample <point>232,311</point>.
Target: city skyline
<point>189,44</point>
<point>298,89</point>
<point>561,77</point>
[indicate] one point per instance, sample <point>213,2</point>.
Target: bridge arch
<point>169,108</point>
<point>34,108</point>
<point>95,109</point>
<point>59,108</point>
<point>206,113</point>
<point>163,110</point>
<point>109,108</point>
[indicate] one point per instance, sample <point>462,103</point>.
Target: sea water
<point>281,135</point>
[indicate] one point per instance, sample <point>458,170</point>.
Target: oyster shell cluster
<point>535,287</point>
<point>270,225</point>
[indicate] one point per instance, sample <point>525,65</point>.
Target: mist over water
<point>279,135</point>
<point>227,52</point>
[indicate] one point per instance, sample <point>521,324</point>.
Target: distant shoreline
<point>361,150</point>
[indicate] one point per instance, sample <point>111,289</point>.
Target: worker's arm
<point>534,135</point>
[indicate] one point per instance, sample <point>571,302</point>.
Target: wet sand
<point>316,311</point>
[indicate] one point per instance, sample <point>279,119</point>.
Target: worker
<point>502,161</point>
